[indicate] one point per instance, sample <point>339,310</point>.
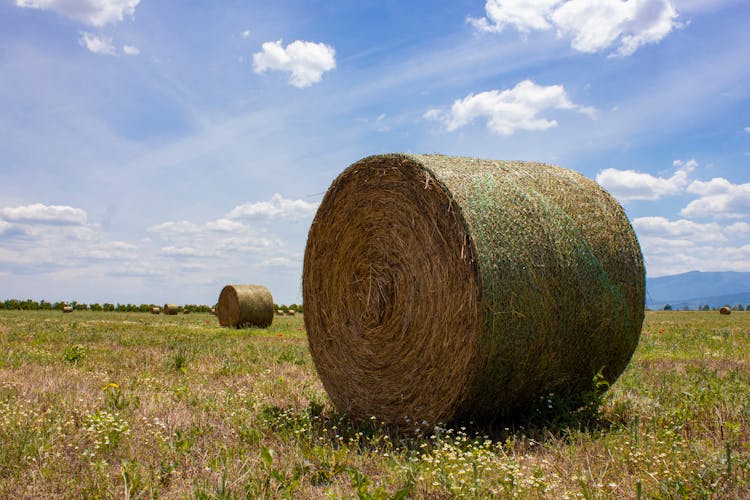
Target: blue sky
<point>156,151</point>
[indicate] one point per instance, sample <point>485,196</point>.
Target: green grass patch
<point>137,406</point>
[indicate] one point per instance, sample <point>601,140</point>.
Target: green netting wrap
<point>438,287</point>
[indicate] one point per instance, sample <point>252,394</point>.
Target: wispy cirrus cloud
<point>94,12</point>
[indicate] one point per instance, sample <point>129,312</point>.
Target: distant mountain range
<point>694,289</point>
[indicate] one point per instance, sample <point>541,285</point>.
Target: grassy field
<point>133,405</point>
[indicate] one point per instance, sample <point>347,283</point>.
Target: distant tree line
<point>706,307</point>
<point>293,307</point>
<point>43,305</point>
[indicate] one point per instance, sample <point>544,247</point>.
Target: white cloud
<point>306,61</point>
<point>676,246</point>
<point>277,208</point>
<point>226,226</point>
<point>671,256</point>
<point>626,185</point>
<point>98,44</point>
<point>108,250</point>
<point>738,228</point>
<point>592,25</point>
<point>681,229</point>
<point>747,129</point>
<point>94,12</point>
<point>129,50</point>
<point>169,229</point>
<point>44,214</point>
<point>281,262</point>
<point>9,230</point>
<point>246,34</point>
<point>718,198</point>
<point>509,110</point>
<point>173,251</point>
<point>248,244</point>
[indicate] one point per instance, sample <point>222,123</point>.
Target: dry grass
<point>127,405</point>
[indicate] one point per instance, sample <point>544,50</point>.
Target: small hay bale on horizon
<point>291,312</point>
<point>155,310</point>
<point>439,288</point>
<point>725,310</point>
<point>67,309</point>
<point>279,312</point>
<point>171,309</point>
<point>244,306</point>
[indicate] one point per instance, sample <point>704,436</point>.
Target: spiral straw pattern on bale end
<point>245,305</point>
<point>439,288</point>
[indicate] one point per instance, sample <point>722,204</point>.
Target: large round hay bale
<point>439,288</point>
<point>245,305</point>
<point>171,309</point>
<point>725,310</point>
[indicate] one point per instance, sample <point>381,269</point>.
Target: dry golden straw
<point>171,309</point>
<point>439,288</point>
<point>245,305</point>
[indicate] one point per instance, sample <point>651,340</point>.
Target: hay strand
<point>438,288</point>
<point>245,305</point>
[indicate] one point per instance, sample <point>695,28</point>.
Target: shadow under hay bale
<point>440,288</point>
<point>245,305</point>
<point>171,309</point>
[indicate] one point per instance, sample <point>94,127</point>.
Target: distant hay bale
<point>171,309</point>
<point>245,305</point>
<point>279,312</point>
<point>290,312</point>
<point>213,311</point>
<point>725,310</point>
<point>440,288</point>
<point>155,310</point>
<point>186,311</point>
<point>67,309</point>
